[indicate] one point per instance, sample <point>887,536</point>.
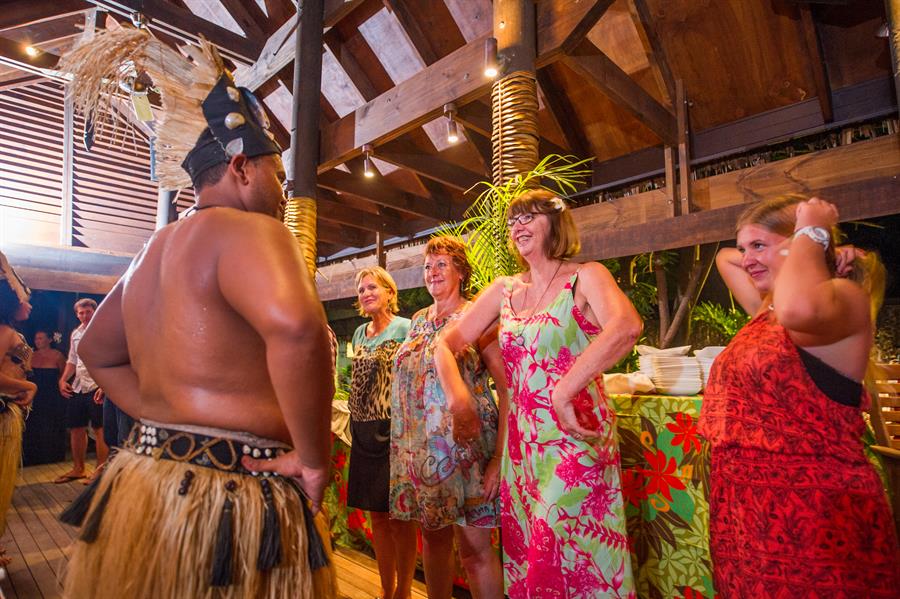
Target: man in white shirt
<point>85,400</point>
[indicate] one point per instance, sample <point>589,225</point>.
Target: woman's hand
<point>26,396</point>
<point>491,480</point>
<point>569,422</point>
<point>844,258</point>
<point>312,481</point>
<point>465,421</point>
<point>816,213</point>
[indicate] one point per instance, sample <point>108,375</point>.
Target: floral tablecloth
<point>665,473</point>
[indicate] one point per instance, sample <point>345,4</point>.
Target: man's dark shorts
<point>81,409</point>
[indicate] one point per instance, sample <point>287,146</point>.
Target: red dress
<point>796,509</point>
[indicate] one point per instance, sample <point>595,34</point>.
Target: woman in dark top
<point>796,509</point>
<point>45,435</point>
<point>374,345</point>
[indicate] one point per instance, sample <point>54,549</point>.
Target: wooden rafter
<point>416,34</point>
<point>563,112</point>
<point>357,74</point>
<point>186,25</point>
<point>385,194</point>
<point>13,54</point>
<point>20,13</point>
<point>343,235</point>
<point>409,157</point>
<point>587,21</point>
<point>248,16</point>
<point>816,61</point>
<point>654,46</point>
<point>332,208</point>
<point>602,73</point>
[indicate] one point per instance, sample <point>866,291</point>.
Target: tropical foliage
<point>725,322</point>
<point>484,227</point>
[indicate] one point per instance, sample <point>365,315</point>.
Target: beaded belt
<point>202,446</point>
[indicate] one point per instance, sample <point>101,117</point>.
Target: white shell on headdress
<point>558,204</point>
<point>234,94</point>
<point>233,120</point>
<point>235,147</point>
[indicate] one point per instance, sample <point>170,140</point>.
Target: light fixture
<point>452,127</point>
<point>32,51</point>
<point>368,169</point>
<point>491,66</point>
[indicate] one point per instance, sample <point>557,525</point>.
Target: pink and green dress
<point>563,517</point>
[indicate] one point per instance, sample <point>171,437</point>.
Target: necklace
<point>445,313</point>
<point>538,302</point>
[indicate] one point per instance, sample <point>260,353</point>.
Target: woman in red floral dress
<point>796,510</point>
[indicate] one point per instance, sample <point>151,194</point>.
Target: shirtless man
<point>215,339</point>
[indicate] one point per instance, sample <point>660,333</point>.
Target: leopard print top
<point>373,359</point>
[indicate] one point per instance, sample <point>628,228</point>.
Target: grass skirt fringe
<point>11,426</point>
<point>155,542</point>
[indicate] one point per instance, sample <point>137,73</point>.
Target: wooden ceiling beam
<point>185,25</point>
<point>654,46</point>
<point>384,194</point>
<point>278,51</point>
<point>357,74</point>
<point>409,157</point>
<point>248,16</point>
<point>343,235</point>
<point>332,208</point>
<point>415,33</point>
<point>21,13</point>
<point>582,26</point>
<point>563,112</point>
<point>13,54</point>
<point>476,117</point>
<point>600,72</point>
<point>816,61</point>
<point>456,77</point>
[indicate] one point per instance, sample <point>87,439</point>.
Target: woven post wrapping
<point>514,137</point>
<point>300,218</point>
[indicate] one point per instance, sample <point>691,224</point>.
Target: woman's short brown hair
<point>562,243</point>
<point>383,278</point>
<point>779,215</point>
<point>456,249</point>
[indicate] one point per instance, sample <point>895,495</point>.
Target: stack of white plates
<point>673,375</point>
<point>705,357</point>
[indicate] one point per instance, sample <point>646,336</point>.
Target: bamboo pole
<point>514,103</point>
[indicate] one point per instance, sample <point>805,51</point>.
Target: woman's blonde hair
<point>456,249</point>
<point>562,243</point>
<point>383,278</point>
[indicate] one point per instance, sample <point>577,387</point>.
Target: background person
<point>84,400</point>
<point>45,435</point>
<point>374,345</point>
<point>561,325</point>
<point>16,393</point>
<point>445,457</point>
<point>796,509</point>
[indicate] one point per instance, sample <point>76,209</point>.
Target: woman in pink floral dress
<point>561,325</point>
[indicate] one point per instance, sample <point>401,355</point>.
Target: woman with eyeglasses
<point>445,457</point>
<point>561,325</point>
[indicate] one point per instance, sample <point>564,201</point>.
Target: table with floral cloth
<point>665,472</point>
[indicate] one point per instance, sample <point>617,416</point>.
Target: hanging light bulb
<point>491,67</point>
<point>452,127</point>
<point>368,169</point>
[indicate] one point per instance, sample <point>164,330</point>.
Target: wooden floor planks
<point>36,542</point>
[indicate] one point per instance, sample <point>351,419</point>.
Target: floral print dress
<point>433,480</point>
<point>563,517</point>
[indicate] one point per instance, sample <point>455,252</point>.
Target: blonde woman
<point>374,345</point>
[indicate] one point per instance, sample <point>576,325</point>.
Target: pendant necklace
<point>550,282</point>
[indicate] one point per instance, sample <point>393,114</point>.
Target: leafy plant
<point>726,322</point>
<point>485,223</point>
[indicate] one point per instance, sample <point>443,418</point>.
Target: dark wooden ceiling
<point>736,58</point>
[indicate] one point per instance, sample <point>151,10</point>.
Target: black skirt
<point>370,465</point>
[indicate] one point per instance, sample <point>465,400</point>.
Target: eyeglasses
<point>522,219</point>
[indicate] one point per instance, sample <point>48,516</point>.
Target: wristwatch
<point>820,235</point>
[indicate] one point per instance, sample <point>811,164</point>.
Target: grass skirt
<point>11,426</point>
<point>154,541</point>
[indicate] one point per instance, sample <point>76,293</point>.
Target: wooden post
<point>300,213</point>
<point>379,249</point>
<point>892,10</point>
<point>684,151</point>
<point>514,102</point>
<point>671,192</point>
